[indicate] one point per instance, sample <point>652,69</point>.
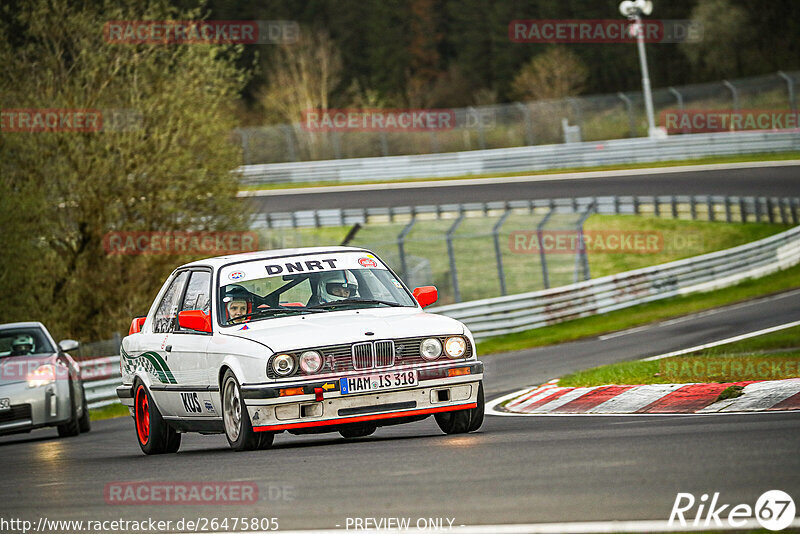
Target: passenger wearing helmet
<point>335,286</point>
<point>238,304</point>
<point>22,345</point>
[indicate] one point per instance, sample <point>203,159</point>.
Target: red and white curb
<point>552,399</point>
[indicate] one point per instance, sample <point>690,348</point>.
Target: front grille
<point>362,356</point>
<point>18,412</point>
<point>344,358</point>
<point>384,354</point>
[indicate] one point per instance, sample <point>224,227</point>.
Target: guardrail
<point>101,376</point>
<point>515,313</point>
<point>713,207</point>
<point>526,158</point>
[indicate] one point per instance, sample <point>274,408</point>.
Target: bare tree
<point>557,73</point>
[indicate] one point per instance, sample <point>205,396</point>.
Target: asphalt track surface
<point>514,470</point>
<point>776,181</point>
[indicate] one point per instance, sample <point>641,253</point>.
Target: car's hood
<point>347,326</point>
<point>14,369</point>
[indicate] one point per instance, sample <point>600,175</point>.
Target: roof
<point>25,324</point>
<point>267,254</point>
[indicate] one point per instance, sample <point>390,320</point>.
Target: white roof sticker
<point>254,270</point>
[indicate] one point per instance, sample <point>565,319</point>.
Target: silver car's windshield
<point>265,289</point>
<point>23,341</point>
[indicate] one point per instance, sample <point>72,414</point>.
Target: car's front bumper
<point>33,407</point>
<point>436,392</point>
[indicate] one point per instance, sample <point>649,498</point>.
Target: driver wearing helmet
<point>334,286</point>
<point>238,304</point>
<point>22,345</point>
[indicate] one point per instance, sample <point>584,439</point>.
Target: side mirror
<point>68,344</point>
<point>195,320</point>
<point>426,295</point>
<point>136,325</point>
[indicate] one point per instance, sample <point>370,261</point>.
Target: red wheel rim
<point>142,411</point>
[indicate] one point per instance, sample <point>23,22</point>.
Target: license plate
<point>5,404</point>
<point>377,382</point>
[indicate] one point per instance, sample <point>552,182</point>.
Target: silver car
<point>40,384</point>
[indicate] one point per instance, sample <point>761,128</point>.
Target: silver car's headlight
<point>283,365</point>
<point>43,375</point>
<point>430,349</point>
<point>455,347</point>
<point>310,361</point>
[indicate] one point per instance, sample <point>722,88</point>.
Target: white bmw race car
<point>304,340</point>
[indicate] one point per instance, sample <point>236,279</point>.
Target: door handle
<point>168,348</point>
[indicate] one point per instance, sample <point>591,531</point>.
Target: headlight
<point>310,361</point>
<point>43,375</point>
<point>430,349</point>
<point>283,365</point>
<point>455,347</point>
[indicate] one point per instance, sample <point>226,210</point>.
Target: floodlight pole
<point>636,17</point>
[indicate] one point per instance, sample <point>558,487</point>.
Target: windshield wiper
<point>346,302</point>
<point>270,312</point>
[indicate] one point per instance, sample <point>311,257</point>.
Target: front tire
<point>154,435</point>
<point>357,431</point>
<point>72,426</point>
<point>238,428</point>
<point>462,421</point>
<point>84,422</point>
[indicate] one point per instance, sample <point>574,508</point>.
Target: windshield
<point>23,341</point>
<point>319,283</point>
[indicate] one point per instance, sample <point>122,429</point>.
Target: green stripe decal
<point>154,364</point>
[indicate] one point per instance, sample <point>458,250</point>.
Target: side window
<point>198,292</point>
<point>167,312</point>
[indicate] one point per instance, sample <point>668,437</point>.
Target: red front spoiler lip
<point>362,418</point>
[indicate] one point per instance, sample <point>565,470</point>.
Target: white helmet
<point>337,285</point>
<point>22,344</point>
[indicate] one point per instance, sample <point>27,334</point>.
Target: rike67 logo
<point>774,510</point>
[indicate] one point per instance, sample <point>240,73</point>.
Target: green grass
<point>642,314</point>
<point>108,412</point>
<point>769,357</point>
<point>624,166</point>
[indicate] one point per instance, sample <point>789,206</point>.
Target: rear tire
<point>154,435</point>
<point>238,428</point>
<point>72,426</point>
<point>84,422</point>
<point>360,431</point>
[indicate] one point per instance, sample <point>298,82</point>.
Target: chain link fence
<point>586,118</point>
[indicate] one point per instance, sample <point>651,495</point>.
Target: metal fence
<point>468,250</point>
<point>524,159</point>
<point>515,313</point>
<point>592,118</point>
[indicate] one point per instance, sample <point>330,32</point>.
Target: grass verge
<point>642,314</point>
<point>625,166</point>
<point>108,412</point>
<point>772,356</point>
